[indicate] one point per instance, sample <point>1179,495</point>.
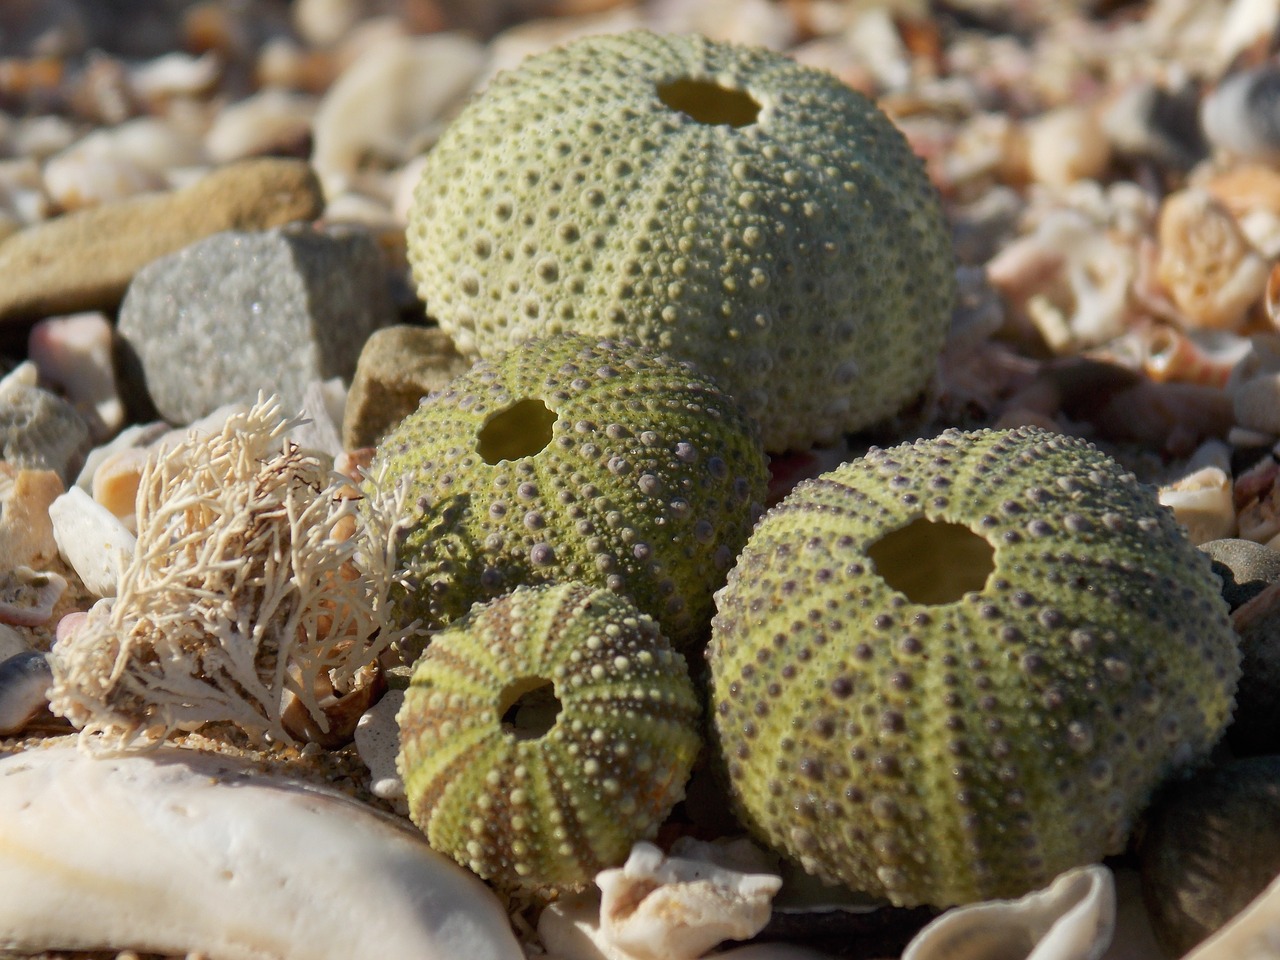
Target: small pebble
<point>398,366</point>
<point>269,311</point>
<point>1245,567</point>
<point>269,121</point>
<point>26,533</point>
<point>24,679</point>
<point>1066,145</point>
<point>27,597</point>
<point>74,354</point>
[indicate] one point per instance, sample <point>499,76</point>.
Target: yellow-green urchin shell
<point>546,732</point>
<point>723,203</point>
<point>950,670</point>
<point>576,459</point>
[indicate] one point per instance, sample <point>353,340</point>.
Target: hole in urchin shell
<point>521,430</point>
<point>932,561</point>
<point>708,102</point>
<point>529,707</point>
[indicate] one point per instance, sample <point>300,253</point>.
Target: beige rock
<point>398,366</point>
<point>85,260</point>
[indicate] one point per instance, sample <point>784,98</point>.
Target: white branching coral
<point>256,586</point>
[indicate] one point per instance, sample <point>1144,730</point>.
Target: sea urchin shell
<point>546,732</point>
<point>950,670</point>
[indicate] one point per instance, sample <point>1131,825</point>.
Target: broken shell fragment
<point>27,597</point>
<point>1202,503</point>
<point>250,866</point>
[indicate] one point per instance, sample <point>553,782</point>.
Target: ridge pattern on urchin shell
<point>973,747</point>
<point>548,811</point>
<point>621,467</point>
<point>800,258</point>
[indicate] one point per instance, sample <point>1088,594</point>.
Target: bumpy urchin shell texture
<point>546,732</point>
<point>724,203</point>
<point>952,669</point>
<point>576,459</point>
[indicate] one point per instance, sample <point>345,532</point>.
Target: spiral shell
<point>544,733</point>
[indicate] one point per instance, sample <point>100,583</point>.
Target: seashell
<point>24,681</point>
<point>340,710</point>
<point>1210,846</point>
<point>1209,268</point>
<point>251,865</point>
<point>1239,117</point>
<point>140,435</point>
<point>174,75</point>
<point>266,122</point>
<point>93,542</point>
<point>1066,145</point>
<point>283,63</point>
<point>27,597</point>
<point>1245,25</point>
<point>1245,568</point>
<point>658,907</point>
<point>1202,502</point>
<point>377,739</point>
<point>116,480</point>
<point>391,104</point>
<point>1206,357</point>
<point>26,533</point>
<point>1252,934</point>
<point>74,354</point>
<point>117,162</point>
<point>1072,919</point>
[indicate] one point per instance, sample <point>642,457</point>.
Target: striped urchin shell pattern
<point>544,733</point>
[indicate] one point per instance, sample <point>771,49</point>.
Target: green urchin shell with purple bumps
<point>951,670</point>
<point>546,732</point>
<point>572,458</point>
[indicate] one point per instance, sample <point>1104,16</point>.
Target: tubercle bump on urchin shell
<point>1091,659</point>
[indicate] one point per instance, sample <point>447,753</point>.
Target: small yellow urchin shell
<point>544,733</point>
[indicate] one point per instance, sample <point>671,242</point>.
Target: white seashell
<point>260,123</point>
<point>74,353</point>
<point>656,907</point>
<point>91,540</point>
<point>176,851</point>
<point>1206,264</point>
<point>1072,919</point>
<point>1246,22</point>
<point>1202,503</point>
<point>175,75</point>
<point>138,435</point>
<point>378,742</point>
<point>391,103</point>
<point>27,597</point>
<point>1253,934</point>
<point>24,683</point>
<point>1066,145</point>
<point>117,162</point>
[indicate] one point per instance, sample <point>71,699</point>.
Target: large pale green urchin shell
<point>723,203</point>
<point>576,459</point>
<point>546,732</point>
<point>950,670</point>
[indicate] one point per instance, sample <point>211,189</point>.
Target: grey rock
<point>1246,568</point>
<point>239,313</point>
<point>1242,116</point>
<point>398,367</point>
